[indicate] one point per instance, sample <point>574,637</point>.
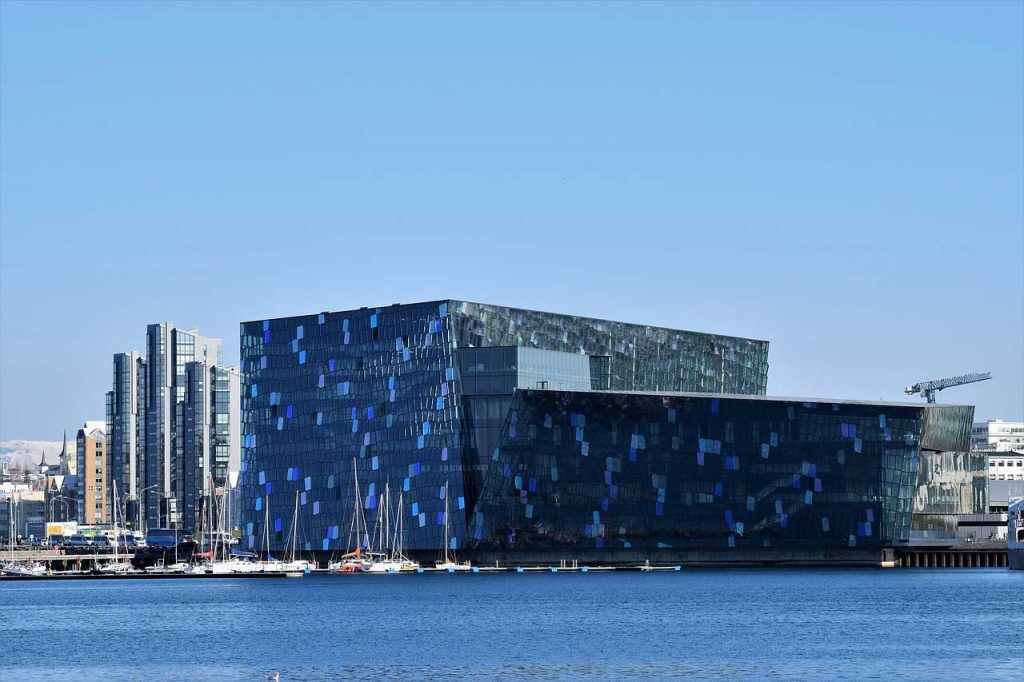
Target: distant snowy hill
<point>28,452</point>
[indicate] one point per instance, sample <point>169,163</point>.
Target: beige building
<point>92,492</point>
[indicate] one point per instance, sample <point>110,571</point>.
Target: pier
<point>984,556</point>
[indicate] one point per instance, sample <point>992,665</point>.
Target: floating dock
<point>146,576</point>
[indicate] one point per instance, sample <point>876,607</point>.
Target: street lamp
<point>64,500</point>
<point>144,498</point>
<point>167,508</point>
<point>122,506</point>
<point>167,496</point>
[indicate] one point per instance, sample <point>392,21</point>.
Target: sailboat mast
<point>209,514</point>
<point>446,542</point>
<point>398,526</point>
<point>227,510</point>
<point>215,520</point>
<point>116,534</point>
<point>382,521</point>
<point>266,524</point>
<point>295,527</point>
<point>353,526</point>
<point>361,529</point>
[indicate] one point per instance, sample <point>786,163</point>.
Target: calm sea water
<point>810,624</point>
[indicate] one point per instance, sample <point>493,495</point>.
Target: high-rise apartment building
<point>125,432</point>
<point>148,439</point>
<point>168,350</point>
<point>210,438</point>
<point>91,485</point>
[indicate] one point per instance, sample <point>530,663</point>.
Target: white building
<point>995,435</point>
<point>1006,466</point>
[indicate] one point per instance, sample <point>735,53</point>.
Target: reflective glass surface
<point>660,471</point>
<point>388,388</point>
<point>417,397</point>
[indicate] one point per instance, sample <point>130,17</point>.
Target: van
<point>79,540</point>
<point>132,540</point>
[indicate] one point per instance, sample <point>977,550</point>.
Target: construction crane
<point>928,389</point>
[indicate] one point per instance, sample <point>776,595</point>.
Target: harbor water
<point>743,623</point>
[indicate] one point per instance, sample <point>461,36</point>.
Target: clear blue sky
<point>844,180</point>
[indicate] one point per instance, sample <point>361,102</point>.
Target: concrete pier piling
<point>958,557</point>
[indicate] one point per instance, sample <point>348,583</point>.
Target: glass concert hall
<point>559,436</point>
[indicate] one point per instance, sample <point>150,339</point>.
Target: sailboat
<point>448,562</point>
<point>203,559</point>
<point>379,561</point>
<point>117,565</point>
<point>404,562</point>
<point>353,561</point>
<point>268,564</point>
<point>27,568</point>
<point>223,560</point>
<point>294,563</point>
<point>392,559</point>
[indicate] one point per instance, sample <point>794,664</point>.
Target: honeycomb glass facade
<point>661,471</point>
<point>554,432</point>
<point>397,389</point>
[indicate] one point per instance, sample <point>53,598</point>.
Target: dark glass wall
<point>205,439</point>
<point>193,441</point>
<point>378,386</point>
<point>659,471</point>
<point>157,430</point>
<point>490,375</point>
<point>125,422</point>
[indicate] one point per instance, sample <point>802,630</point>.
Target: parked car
<point>56,541</point>
<point>130,540</point>
<point>79,540</point>
<point>102,541</point>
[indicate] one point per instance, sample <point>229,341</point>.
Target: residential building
<point>92,488</point>
<point>126,433</point>
<point>211,437</point>
<point>169,350</point>
<point>22,512</point>
<point>153,449</point>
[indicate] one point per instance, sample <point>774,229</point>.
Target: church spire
<point>64,466</point>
